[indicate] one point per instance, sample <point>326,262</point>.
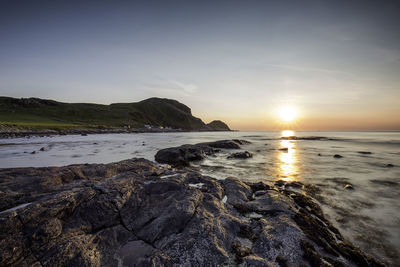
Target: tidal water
<point>368,215</point>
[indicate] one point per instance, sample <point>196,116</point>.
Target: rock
<point>240,155</point>
<point>43,149</point>
<point>33,152</point>
<point>182,155</point>
<point>348,187</point>
<point>337,156</point>
<point>284,149</point>
<point>241,141</point>
<point>228,144</point>
<point>138,213</point>
<point>389,165</point>
<point>319,154</point>
<point>260,193</point>
<point>364,152</point>
<point>319,138</point>
<point>255,261</point>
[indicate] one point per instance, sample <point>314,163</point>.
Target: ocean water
<point>368,215</point>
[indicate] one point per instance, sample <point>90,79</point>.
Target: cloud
<point>170,88</point>
<point>189,88</point>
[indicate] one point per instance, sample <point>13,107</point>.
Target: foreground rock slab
<point>138,213</point>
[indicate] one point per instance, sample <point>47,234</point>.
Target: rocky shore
<point>139,213</point>
<point>14,132</point>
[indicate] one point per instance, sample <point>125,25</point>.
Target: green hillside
<point>48,114</point>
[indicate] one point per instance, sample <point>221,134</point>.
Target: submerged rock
<point>365,152</point>
<point>337,156</point>
<point>240,155</point>
<point>182,155</point>
<point>320,138</point>
<point>138,213</point>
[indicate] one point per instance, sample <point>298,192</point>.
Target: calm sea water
<point>369,215</point>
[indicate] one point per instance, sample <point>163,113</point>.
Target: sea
<point>359,192</point>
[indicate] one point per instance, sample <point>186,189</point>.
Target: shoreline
<point>18,133</point>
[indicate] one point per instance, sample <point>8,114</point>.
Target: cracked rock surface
<point>138,213</point>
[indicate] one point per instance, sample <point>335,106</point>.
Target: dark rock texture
<point>182,155</point>
<point>138,213</point>
<point>240,155</point>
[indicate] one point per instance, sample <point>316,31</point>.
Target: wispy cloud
<point>189,88</point>
<point>169,87</point>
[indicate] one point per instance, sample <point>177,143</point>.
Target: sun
<point>287,113</point>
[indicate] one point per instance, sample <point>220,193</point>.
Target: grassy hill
<point>49,114</point>
<point>218,125</point>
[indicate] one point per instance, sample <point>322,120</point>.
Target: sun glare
<point>287,113</point>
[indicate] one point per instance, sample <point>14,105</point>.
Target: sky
<point>336,62</point>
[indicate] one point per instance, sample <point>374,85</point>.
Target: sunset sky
<point>336,62</point>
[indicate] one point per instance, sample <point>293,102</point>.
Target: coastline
<point>137,212</point>
<point>17,133</point>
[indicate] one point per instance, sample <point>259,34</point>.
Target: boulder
<point>240,155</point>
<point>183,155</point>
<point>348,187</point>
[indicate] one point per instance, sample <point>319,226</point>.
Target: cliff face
<point>49,114</point>
<point>138,213</point>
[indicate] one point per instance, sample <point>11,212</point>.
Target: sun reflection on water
<point>287,157</point>
<point>287,133</point>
